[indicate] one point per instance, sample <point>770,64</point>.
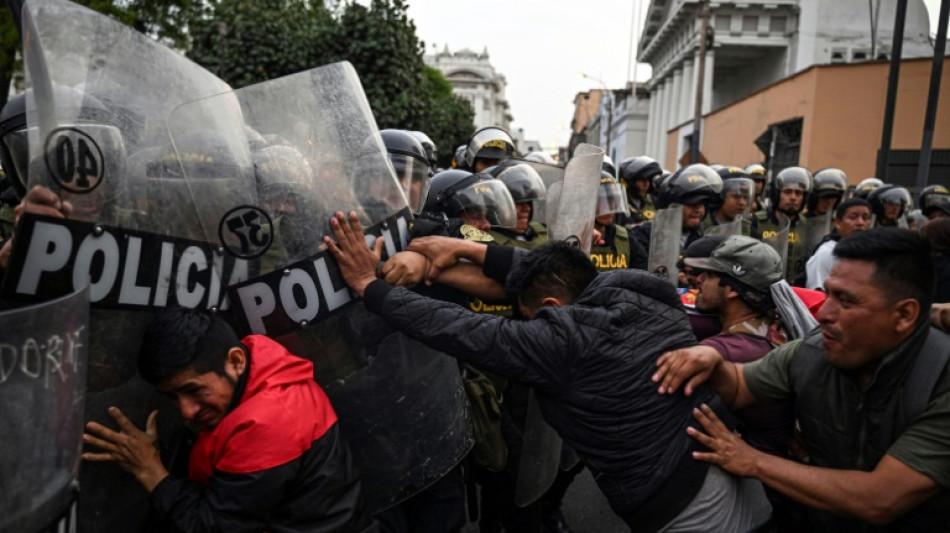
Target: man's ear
<point>237,360</point>
<point>552,302</point>
<point>906,315</point>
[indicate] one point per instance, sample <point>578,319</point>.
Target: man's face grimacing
<point>693,215</point>
<point>523,209</point>
<point>790,200</point>
<point>860,324</point>
<point>856,218</point>
<point>203,399</point>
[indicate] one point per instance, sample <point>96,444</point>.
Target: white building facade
<point>755,44</point>
<point>473,78</point>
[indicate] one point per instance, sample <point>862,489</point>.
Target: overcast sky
<point>541,46</point>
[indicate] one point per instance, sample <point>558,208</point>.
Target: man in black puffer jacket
<point>588,350</point>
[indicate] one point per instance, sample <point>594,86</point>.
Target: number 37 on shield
<point>74,160</point>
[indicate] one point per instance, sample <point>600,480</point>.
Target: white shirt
<point>819,265</point>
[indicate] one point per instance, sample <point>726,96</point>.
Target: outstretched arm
<point>878,497</point>
<point>698,364</point>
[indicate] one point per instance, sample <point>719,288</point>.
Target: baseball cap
<point>702,247</point>
<point>746,260</point>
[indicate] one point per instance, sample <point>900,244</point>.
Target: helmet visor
<point>738,195</point>
<point>794,181</point>
<point>487,201</point>
<point>523,182</point>
<point>16,144</point>
<point>611,198</point>
<point>413,175</point>
<point>896,196</point>
<point>489,143</point>
<point>937,201</point>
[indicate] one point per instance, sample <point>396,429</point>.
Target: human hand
<point>134,450</point>
<point>406,269</point>
<point>41,201</point>
<point>693,365</point>
<point>940,316</point>
<point>727,449</point>
<point>356,261</point>
<point>598,239</point>
<point>442,252</point>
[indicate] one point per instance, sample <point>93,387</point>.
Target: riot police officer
<point>889,203</point>
<point>431,150</point>
<point>411,163</point>
<point>761,178</point>
<point>788,194</point>
<point>934,201</point>
<point>636,175</point>
<point>830,186</point>
<point>462,204</point>
<point>526,188</point>
<point>614,252</point>
<point>865,186</point>
<point>488,147</point>
<point>726,212</point>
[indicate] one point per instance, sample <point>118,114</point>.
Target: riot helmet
<point>432,152</point>
<point>934,201</point>
<point>282,175</point>
<point>408,158</point>
<point>538,156</point>
<point>14,152</point>
<point>523,181</point>
<point>458,160</point>
<point>690,185</point>
<point>633,169</point>
<point>492,145</point>
<point>795,179</point>
<point>609,166</point>
<point>478,199</point>
<point>737,196</point>
<point>889,202</point>
<point>864,188</point>
<point>611,197</point>
<point>761,178</point>
<point>829,183</point>
<point>659,179</point>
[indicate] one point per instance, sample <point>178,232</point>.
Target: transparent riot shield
<point>728,229</point>
<point>812,230</point>
<point>98,98</point>
<point>308,146</point>
<point>665,238</point>
<point>577,198</point>
<point>576,201</point>
<point>778,240</point>
<point>43,365</point>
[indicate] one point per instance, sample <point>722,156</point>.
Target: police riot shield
<point>43,365</point>
<point>98,98</point>
<point>778,240</point>
<point>316,150</point>
<point>813,230</point>
<point>728,229</point>
<point>573,220</point>
<point>665,238</point>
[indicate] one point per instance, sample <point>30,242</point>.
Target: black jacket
<point>590,364</point>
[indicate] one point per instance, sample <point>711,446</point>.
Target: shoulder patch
<point>471,233</point>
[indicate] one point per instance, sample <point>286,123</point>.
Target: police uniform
<point>646,211</point>
<point>615,253</point>
<point>768,227</point>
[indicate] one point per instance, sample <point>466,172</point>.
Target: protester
<point>269,453</point>
<point>871,391</point>
<point>851,215</point>
<point>585,350</point>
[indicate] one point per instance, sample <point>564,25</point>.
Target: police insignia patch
<point>471,233</point>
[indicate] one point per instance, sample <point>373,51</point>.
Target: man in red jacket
<point>269,454</point>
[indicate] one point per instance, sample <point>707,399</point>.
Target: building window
<point>859,55</point>
<point>777,24</point>
<point>839,55</point>
<point>723,22</point>
<point>750,23</point>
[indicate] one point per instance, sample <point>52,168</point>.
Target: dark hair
<point>843,207</point>
<point>180,338</point>
<point>937,231</point>
<point>903,267</point>
<point>760,301</point>
<point>556,269</point>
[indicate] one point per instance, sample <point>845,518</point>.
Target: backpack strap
<point>925,372</point>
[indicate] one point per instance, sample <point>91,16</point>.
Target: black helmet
<point>537,156</point>
<point>522,180</point>
<point>611,197</point>
<point>690,185</point>
<point>637,168</point>
<point>432,152</point>
<point>458,160</point>
<point>409,161</point>
<point>735,181</point>
<point>453,193</point>
<point>791,178</point>
<point>889,194</point>
<point>864,188</point>
<point>658,180</point>
<point>489,143</point>
<point>609,166</point>
<point>756,172</point>
<point>281,171</point>
<point>827,182</point>
<point>14,153</point>
<point>728,173</point>
<point>932,198</point>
